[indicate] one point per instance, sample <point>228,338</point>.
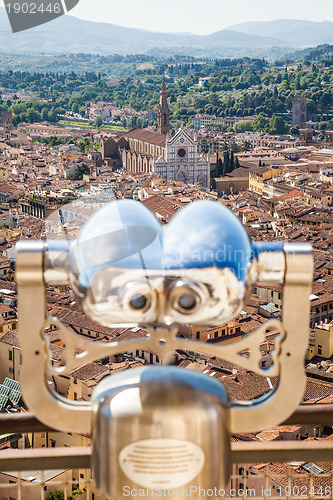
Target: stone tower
<point>299,112</point>
<point>163,112</point>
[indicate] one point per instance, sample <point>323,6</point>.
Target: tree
<point>53,141</point>
<point>45,114</point>
<point>33,115</point>
<point>98,121</point>
<point>204,146</point>
<point>277,125</point>
<point>53,116</point>
<point>85,145</point>
<point>243,126</point>
<point>81,171</point>
<point>59,495</point>
<point>230,166</point>
<point>226,162</point>
<point>219,168</point>
<point>247,145</point>
<point>260,123</point>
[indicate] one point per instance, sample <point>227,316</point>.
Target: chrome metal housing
<point>123,251</point>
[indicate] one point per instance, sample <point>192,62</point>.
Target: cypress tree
<point>219,168</point>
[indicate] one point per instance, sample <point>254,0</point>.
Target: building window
<point>11,370</point>
<point>320,349</point>
<point>10,353</point>
<point>53,443</point>
<point>216,334</point>
<point>223,332</point>
<point>197,336</point>
<point>75,396</point>
<point>81,476</point>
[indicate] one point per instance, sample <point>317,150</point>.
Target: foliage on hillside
<point>238,87</point>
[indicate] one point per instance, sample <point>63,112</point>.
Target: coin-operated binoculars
<point>163,427</point>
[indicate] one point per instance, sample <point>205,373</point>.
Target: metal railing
<point>261,470</point>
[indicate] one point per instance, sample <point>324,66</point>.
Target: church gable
<point>181,138</point>
<point>160,161</point>
<point>202,159</point>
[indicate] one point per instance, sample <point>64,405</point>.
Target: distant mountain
<point>290,32</point>
<point>68,35</point>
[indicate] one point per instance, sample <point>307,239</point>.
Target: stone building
<point>110,148</point>
<point>231,185</point>
<point>329,137</point>
<point>300,112</point>
<point>7,119</point>
<point>182,161</point>
<point>163,112</point>
<point>142,147</point>
<point>174,157</point>
<point>306,135</point>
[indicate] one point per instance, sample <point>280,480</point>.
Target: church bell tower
<point>163,112</point>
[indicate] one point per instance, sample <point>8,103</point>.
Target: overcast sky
<point>199,16</point>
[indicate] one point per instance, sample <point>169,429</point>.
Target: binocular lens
<point>138,302</point>
<point>187,302</point>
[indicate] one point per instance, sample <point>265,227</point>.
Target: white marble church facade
<point>182,162</point>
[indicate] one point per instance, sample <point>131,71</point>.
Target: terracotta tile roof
<point>89,371</point>
<point>300,477</point>
<point>164,208</point>
<point>316,389</point>
<point>147,136</point>
<point>246,386</point>
<point>244,437</point>
<point>10,338</point>
<point>78,320</point>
